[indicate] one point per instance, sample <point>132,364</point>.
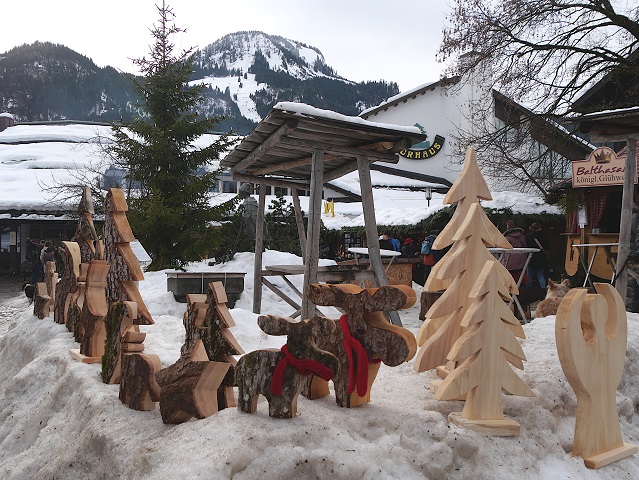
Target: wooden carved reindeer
<point>364,339</point>
<point>277,374</point>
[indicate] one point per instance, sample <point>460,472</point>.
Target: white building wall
<point>439,112</point>
<point>451,111</point>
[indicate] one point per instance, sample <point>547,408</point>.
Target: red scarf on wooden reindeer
<point>352,345</point>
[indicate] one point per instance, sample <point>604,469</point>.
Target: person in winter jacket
<point>409,249</point>
<point>514,262</point>
<point>385,243</point>
<point>536,238</point>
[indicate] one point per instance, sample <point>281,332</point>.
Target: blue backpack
<point>426,245</point>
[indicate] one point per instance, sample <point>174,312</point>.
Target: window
<point>229,187</point>
<point>4,239</point>
<point>6,235</point>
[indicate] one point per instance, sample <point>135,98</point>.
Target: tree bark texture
<point>41,301</point>
<point>255,370</point>
<point>74,325</point>
<point>381,340</point>
<point>120,332</point>
<point>85,235</point>
<point>68,284</point>
<point>189,389</point>
<point>125,269</point>
<point>193,321</point>
<point>94,310</point>
<point>138,387</point>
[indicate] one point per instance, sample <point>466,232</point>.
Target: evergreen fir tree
<point>171,215</point>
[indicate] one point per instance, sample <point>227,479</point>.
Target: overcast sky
<point>393,40</point>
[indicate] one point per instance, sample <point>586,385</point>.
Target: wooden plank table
<point>382,253</point>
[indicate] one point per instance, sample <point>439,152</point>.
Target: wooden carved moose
<point>277,374</point>
<point>364,339</point>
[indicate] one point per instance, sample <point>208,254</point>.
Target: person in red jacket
<point>514,262</point>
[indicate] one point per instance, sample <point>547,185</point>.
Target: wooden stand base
<point>434,385</point>
<point>611,456</point>
<point>442,372</point>
<point>506,427</point>
<point>75,353</point>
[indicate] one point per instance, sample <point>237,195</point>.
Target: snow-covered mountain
<point>248,72</point>
<point>240,52</point>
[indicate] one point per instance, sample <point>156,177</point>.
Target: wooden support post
<point>280,294</point>
<point>299,220</point>
<point>259,248</point>
<point>312,243</point>
<point>625,225</point>
<point>372,236</point>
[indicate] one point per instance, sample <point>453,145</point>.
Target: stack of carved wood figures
<point>469,335</point>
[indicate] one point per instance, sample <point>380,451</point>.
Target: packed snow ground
<point>58,420</point>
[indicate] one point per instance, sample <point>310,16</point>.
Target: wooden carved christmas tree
<point>67,287</point>
<point>462,264</point>
<point>94,310</point>
<point>485,350</point>
<point>85,235</point>
<point>189,388</point>
<point>125,269</point>
<point>208,319</point>
<point>591,334</point>
<point>122,338</point>
<point>469,187</point>
<point>41,300</point>
<point>44,297</point>
<point>363,338</point>
<point>76,304</point>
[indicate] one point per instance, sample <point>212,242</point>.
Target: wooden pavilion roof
<point>609,125</point>
<point>279,150</point>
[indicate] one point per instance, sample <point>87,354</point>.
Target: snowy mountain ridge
<point>247,72</point>
<point>240,51</point>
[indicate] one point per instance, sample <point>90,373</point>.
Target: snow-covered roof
<point>61,152</point>
<point>34,158</point>
<point>400,97</point>
<point>617,112</point>
<point>310,111</point>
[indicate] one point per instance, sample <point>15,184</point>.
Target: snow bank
<point>59,421</point>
